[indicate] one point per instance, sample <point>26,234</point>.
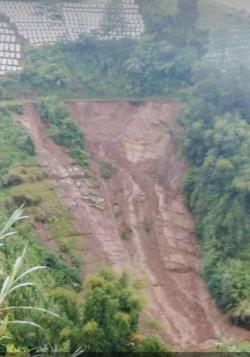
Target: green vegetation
<point>117,211</point>
<point>111,313</point>
<point>108,323</point>
<point>164,57</point>
<point>228,346</point>
<point>157,64</point>
<point>165,62</point>
<point>111,317</point>
<point>108,308</point>
<point>89,68</point>
<point>154,325</point>
<point>22,180</point>
<point>113,20</point>
<point>15,281</point>
<point>126,232</point>
<point>217,144</point>
<point>107,170</point>
<point>63,130</point>
<point>15,107</point>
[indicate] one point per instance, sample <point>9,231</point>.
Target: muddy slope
<point>142,202</point>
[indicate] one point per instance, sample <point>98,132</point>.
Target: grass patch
<point>23,180</point>
<point>42,204</point>
<point>154,325</point>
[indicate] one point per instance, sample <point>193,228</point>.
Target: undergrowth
<point>23,181</point>
<point>63,130</point>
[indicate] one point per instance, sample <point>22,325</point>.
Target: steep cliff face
<point>134,211</point>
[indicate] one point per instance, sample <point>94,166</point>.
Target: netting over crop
<point>229,48</point>
<point>43,23</point>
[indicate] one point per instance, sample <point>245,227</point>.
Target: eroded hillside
<point>132,212</point>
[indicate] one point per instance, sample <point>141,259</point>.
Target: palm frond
<point>29,271</point>
<point>40,309</point>
<point>29,323</point>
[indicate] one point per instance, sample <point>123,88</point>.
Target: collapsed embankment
<point>137,219</point>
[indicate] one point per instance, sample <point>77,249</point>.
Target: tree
<point>187,14</point>
<point>111,313</point>
<point>111,317</point>
<point>165,56</point>
<point>113,23</point>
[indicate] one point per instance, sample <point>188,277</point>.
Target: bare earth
<point>144,195</point>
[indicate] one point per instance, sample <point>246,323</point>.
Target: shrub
<point>63,130</point>
<point>107,170</point>
<point>26,144</point>
<point>153,345</point>
<point>15,107</point>
<point>126,232</point>
<point>81,156</point>
<point>10,181</point>
<point>52,112</point>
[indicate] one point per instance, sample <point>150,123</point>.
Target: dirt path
<point>144,198</point>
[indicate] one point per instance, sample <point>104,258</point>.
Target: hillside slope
<point>137,219</point>
<point>238,4</point>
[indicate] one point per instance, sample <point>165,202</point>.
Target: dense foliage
<point>164,58</point>
<point>157,64</point>
<point>63,130</point>
<point>15,154</point>
<point>217,144</point>
<point>111,315</point>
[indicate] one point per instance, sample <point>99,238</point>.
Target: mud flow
<point>137,219</point>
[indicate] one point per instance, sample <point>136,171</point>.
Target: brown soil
<point>143,198</point>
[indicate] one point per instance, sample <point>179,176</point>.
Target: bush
<point>26,144</point>
<point>81,156</point>
<point>126,232</point>
<point>15,107</point>
<point>153,345</point>
<point>52,112</point>
<point>67,134</point>
<point>107,170</point>
<point>10,181</point>
<point>63,130</point>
